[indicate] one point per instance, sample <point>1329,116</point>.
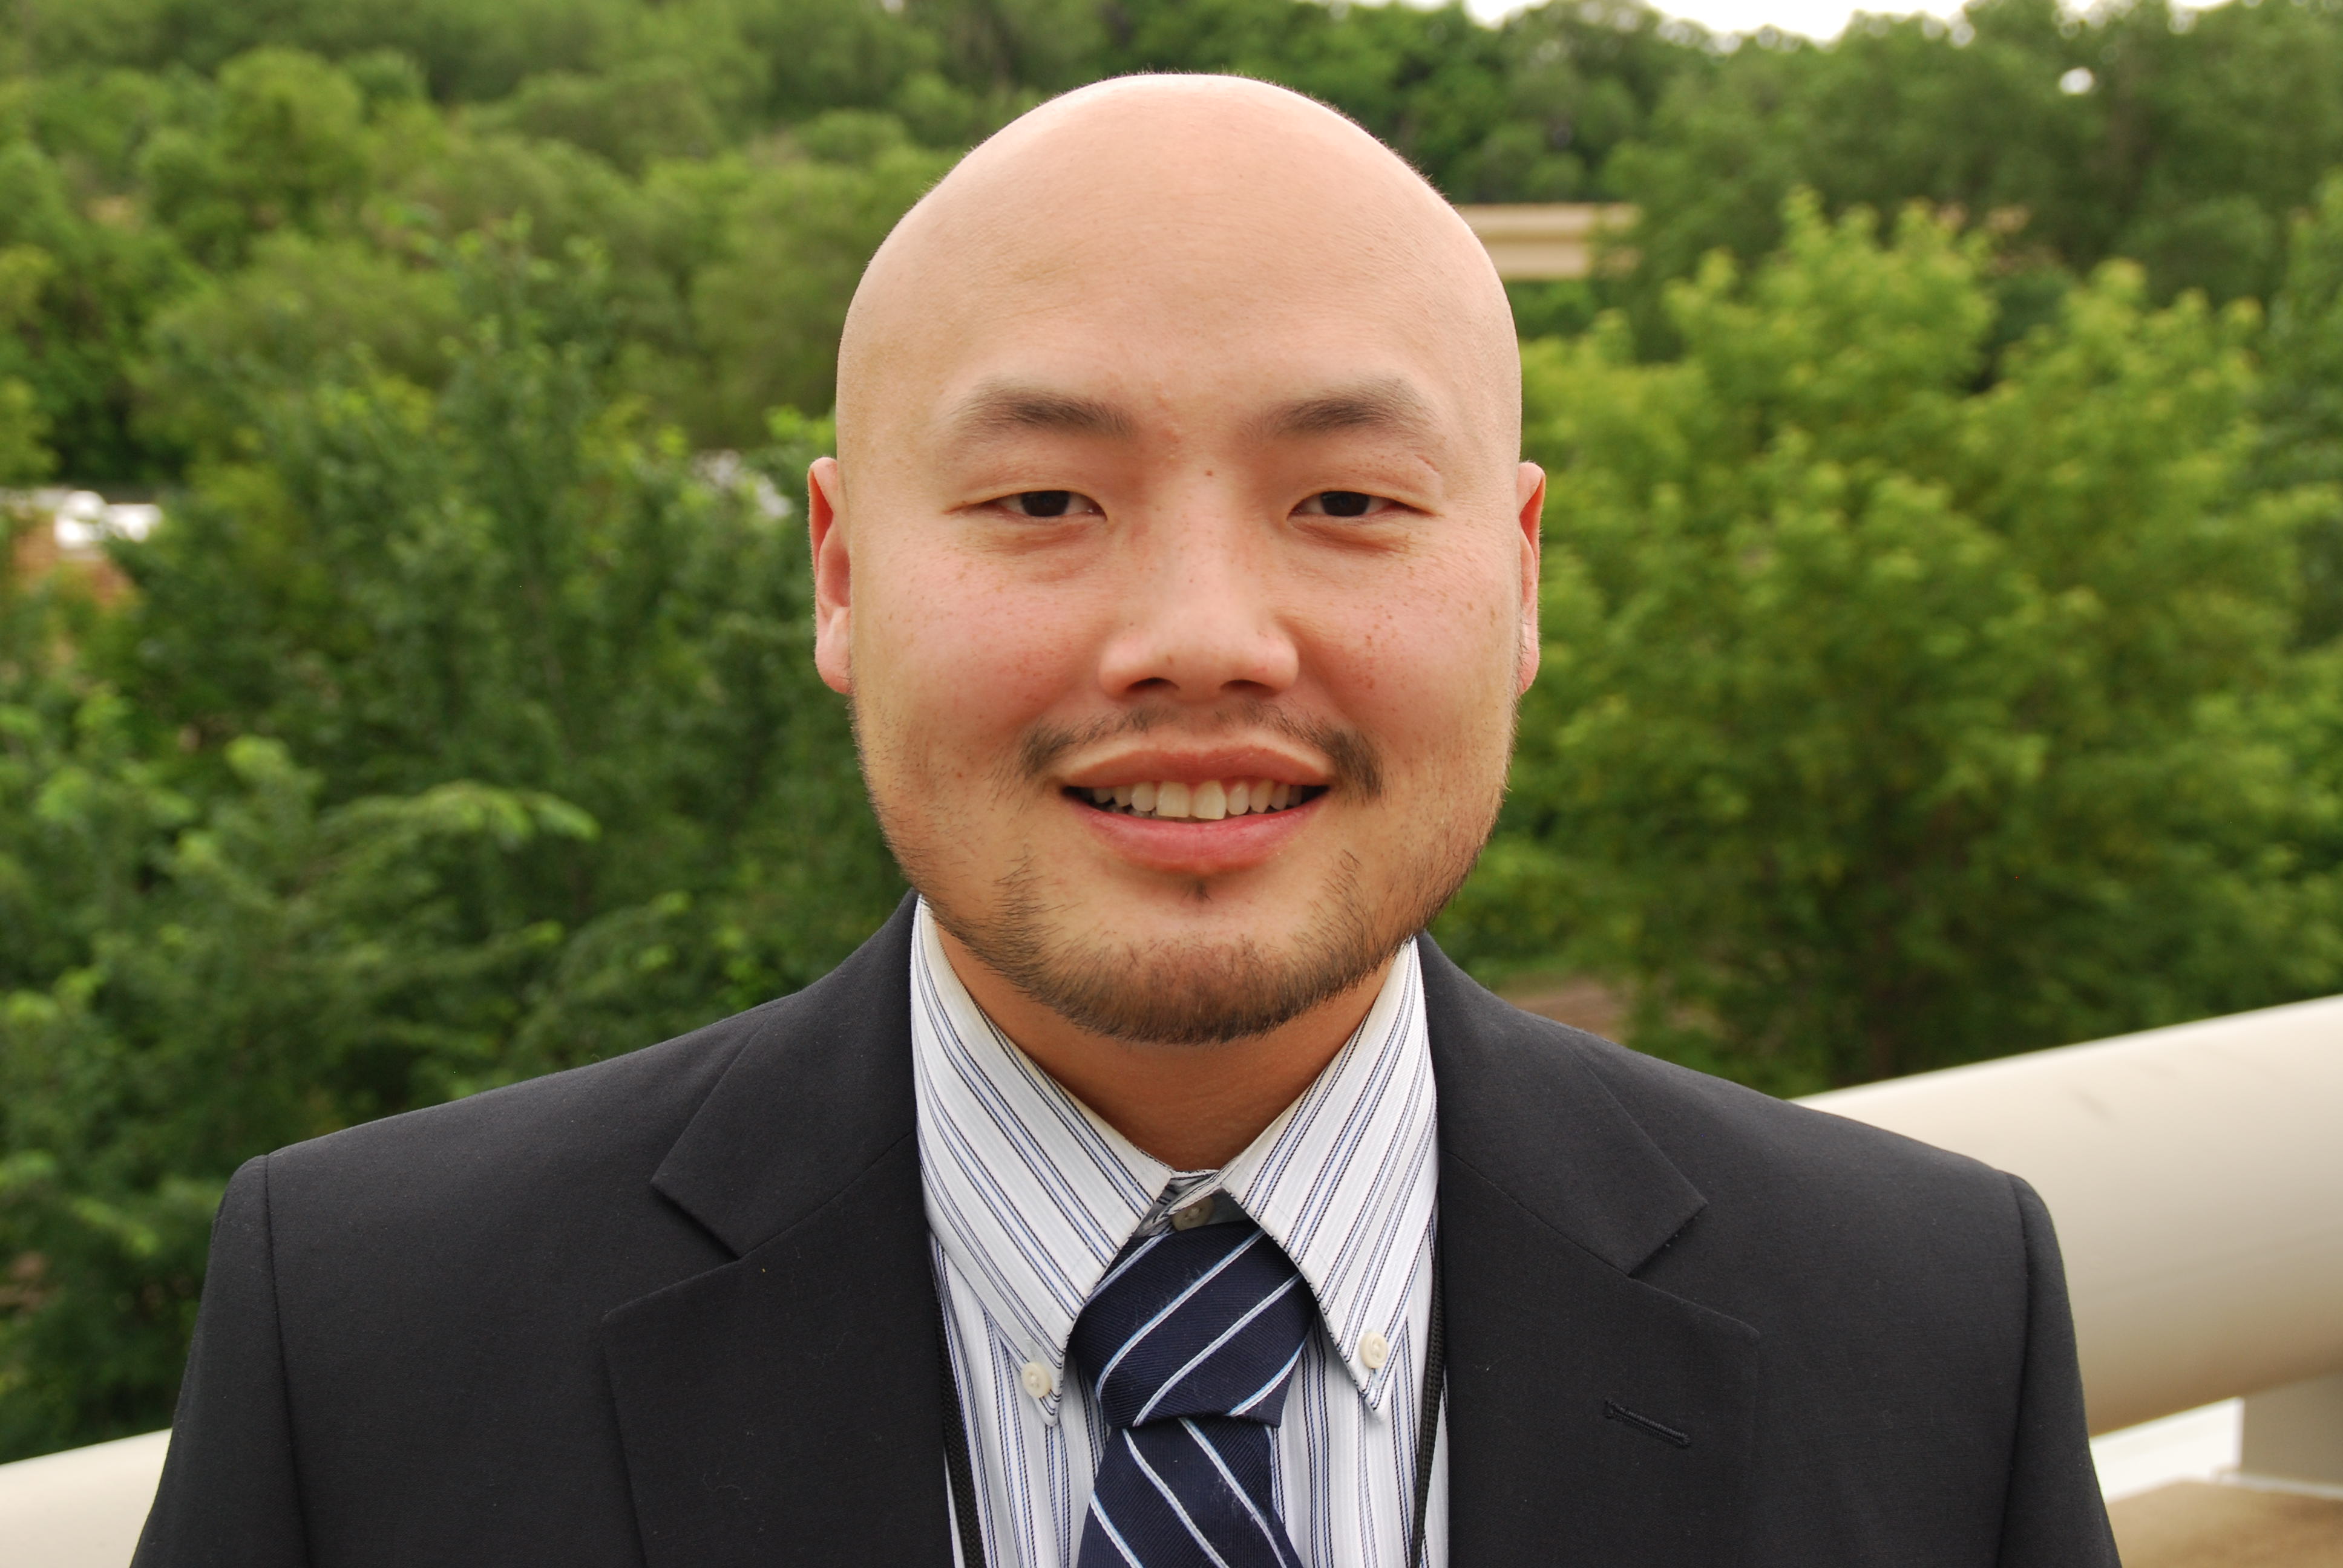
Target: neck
<point>1194,1107</point>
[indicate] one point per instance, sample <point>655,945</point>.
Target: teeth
<point>1211,801</point>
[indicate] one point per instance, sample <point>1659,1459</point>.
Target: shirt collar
<point>1032,1196</point>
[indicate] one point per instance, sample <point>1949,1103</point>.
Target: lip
<point>1194,848</point>
<point>1161,766</point>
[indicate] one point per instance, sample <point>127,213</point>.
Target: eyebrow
<point>1009,410</point>
<point>1390,407</point>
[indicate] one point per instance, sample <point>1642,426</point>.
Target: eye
<point>1342,504</point>
<point>1049,504</point>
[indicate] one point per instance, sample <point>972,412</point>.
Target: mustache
<point>1356,761</point>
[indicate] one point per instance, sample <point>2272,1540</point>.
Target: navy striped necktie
<point>1190,1344</point>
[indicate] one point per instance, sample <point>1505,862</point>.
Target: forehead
<point>1159,269</point>
<point>1136,333</point>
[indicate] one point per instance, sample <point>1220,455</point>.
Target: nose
<point>1200,621</point>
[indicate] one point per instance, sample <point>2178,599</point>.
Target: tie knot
<point>1208,1321</point>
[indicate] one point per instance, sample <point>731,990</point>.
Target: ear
<point>1528,490</point>
<point>833,577</point>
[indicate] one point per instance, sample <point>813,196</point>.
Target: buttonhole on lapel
<point>1614,1410</point>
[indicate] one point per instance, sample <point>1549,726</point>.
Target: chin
<point>1196,982</point>
<point>1195,991</point>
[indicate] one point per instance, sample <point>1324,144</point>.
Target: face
<point>1184,606</point>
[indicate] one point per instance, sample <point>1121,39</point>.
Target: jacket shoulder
<point>1813,1219</point>
<point>549,1132</point>
<point>1714,1121</point>
<point>1776,1196</point>
<point>780,1097</point>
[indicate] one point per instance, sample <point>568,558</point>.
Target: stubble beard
<point>1201,992</point>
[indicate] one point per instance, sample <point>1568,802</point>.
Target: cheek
<point>1429,669</point>
<point>953,661</point>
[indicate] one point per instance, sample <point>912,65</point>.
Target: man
<point>1147,1192</point>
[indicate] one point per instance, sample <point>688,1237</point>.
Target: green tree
<point>265,970</point>
<point>74,291</point>
<point>1526,112</point>
<point>2302,406</point>
<point>2139,130</point>
<point>1051,44</point>
<point>454,735</point>
<point>301,311</point>
<point>515,578</point>
<point>1887,724</point>
<point>769,311</point>
<point>96,122</point>
<point>286,150</point>
<point>825,54</point>
<point>466,52</point>
<point>655,236</point>
<point>651,108</point>
<point>25,456</point>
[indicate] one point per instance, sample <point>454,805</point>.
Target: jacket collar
<point>786,1408</point>
<point>1520,1106</point>
<point>817,1097</point>
<point>824,1091</point>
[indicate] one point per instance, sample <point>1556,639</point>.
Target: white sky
<point>1815,18</point>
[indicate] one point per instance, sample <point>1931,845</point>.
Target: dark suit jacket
<point>677,1310</point>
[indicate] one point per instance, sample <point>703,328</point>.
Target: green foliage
<point>156,149</point>
<point>285,149</point>
<point>466,51</point>
<point>1528,112</point>
<point>2302,401</point>
<point>650,109</point>
<point>301,306</point>
<point>25,456</point>
<point>2138,130</point>
<point>256,970</point>
<point>75,286</point>
<point>771,309</point>
<point>454,734</point>
<point>1887,723</point>
<point>1051,44</point>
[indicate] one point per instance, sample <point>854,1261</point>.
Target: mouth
<point>1213,800</point>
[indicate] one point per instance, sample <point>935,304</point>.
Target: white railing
<point>79,1509</point>
<point>2196,1174</point>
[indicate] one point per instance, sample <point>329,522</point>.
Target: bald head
<point>1184,207</point>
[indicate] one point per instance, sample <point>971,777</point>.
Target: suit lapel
<point>1590,1417</point>
<point>785,1408</point>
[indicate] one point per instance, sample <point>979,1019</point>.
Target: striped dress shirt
<point>1030,1197</point>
